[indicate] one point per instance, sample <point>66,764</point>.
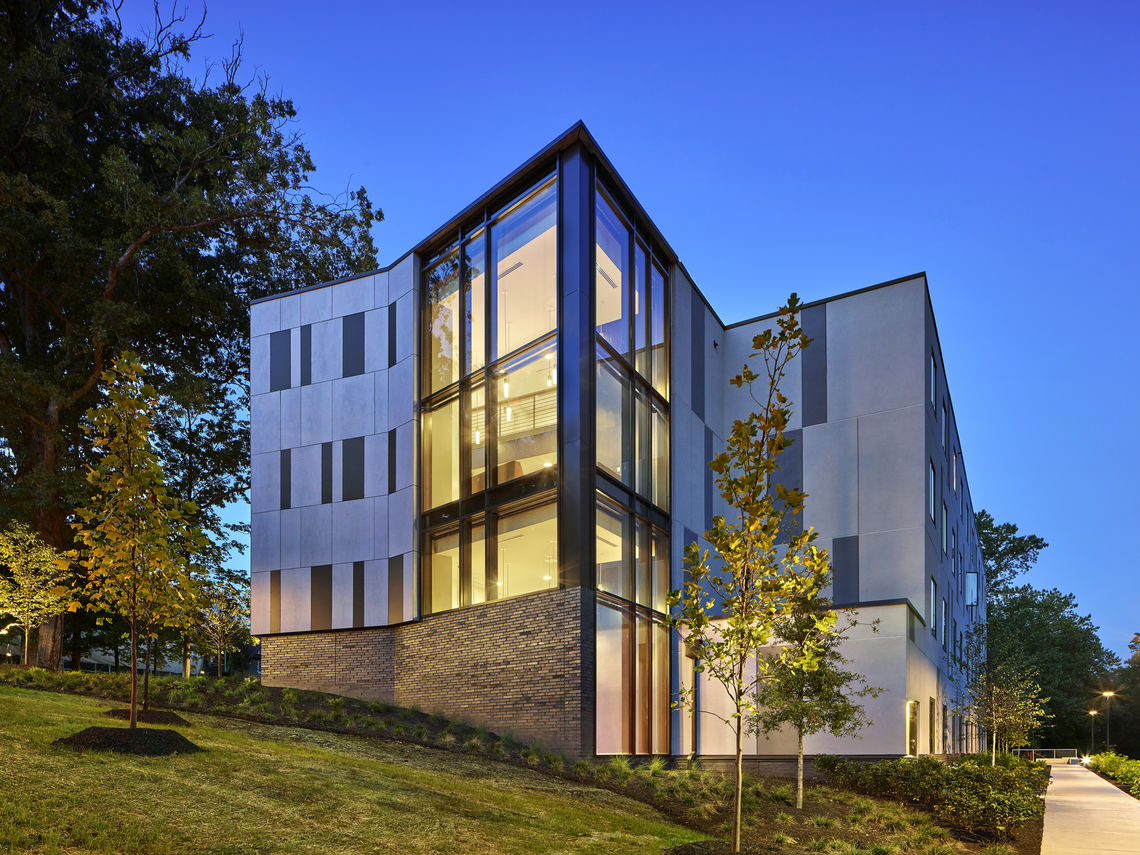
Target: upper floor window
<point>931,491</point>
<point>933,380</point>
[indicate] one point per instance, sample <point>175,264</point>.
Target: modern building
<point>475,471</point>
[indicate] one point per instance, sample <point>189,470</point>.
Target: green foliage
<point>220,622</point>
<point>34,581</point>
<point>1005,553</point>
<point>1121,769</point>
<point>977,798</point>
<point>133,535</point>
<point>1041,629</point>
<point>142,204</point>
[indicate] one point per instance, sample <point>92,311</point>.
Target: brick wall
<point>514,665</point>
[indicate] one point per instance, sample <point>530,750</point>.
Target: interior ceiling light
<point>510,269</point>
<point>606,276</point>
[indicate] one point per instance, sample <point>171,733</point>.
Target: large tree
<point>140,208</point>
<point>728,608</point>
<point>1041,628</point>
<point>1005,553</point>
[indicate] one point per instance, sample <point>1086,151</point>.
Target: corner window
<point>931,485</point>
<point>523,261</point>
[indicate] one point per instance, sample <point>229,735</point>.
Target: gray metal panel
<point>698,361</point>
<point>392,461</point>
<point>814,374</point>
<point>791,475</point>
<point>306,354</point>
<point>358,593</point>
<point>845,565</point>
<point>352,469</point>
<point>326,472</point>
<point>285,480</point>
<point>708,515</point>
<point>352,344</point>
<point>275,601</point>
<point>279,362</point>
<point>320,597</point>
<point>396,589</point>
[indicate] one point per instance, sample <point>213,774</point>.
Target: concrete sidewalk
<point>1086,814</point>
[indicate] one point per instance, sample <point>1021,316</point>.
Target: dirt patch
<point>148,741</point>
<point>150,717</point>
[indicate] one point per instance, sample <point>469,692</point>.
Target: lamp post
<point>1108,720</point>
<point>1092,733</point>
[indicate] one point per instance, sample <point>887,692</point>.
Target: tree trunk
<point>116,657</point>
<point>739,785</point>
<point>134,676</point>
<point>50,522</point>
<point>993,753</point>
<point>800,771</point>
<point>220,655</point>
<point>27,635</point>
<point>146,676</point>
<point>185,658</point>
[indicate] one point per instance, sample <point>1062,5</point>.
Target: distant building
<point>474,473</point>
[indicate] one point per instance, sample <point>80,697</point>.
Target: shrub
<point>317,716</point>
<point>1121,769</point>
<point>473,744</point>
<point>420,732</point>
<point>780,837</point>
<point>784,818</point>
<point>555,761</point>
<point>290,696</point>
<point>979,799</point>
<point>584,768</point>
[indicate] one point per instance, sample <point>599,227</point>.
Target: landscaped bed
<point>834,819</point>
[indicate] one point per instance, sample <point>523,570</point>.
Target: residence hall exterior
<point>475,471</point>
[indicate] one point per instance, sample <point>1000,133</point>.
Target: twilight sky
<point>808,146</point>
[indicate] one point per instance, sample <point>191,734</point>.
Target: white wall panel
<point>376,592</point>
<point>352,531</point>
<point>401,521</point>
<point>316,413</point>
<point>259,364</point>
<point>264,318</point>
<point>327,355</point>
<point>265,541</point>
<point>316,535</point>
<point>353,296</point>
<point>291,538</point>
<point>265,423</point>
<point>316,305</point>
<point>296,605</point>
<point>342,596</point>
<point>259,603</point>
<point>290,417</point>
<point>354,412</point>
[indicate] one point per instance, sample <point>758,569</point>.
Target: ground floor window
<point>632,674</point>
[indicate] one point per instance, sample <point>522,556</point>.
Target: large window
<point>630,315</point>
<point>489,415</point>
<point>631,433</point>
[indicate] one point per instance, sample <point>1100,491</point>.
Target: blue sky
<point>807,146</point>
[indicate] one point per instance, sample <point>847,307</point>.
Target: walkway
<point>1086,814</point>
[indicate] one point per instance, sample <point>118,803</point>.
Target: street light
<point>1108,720</point>
<point>1092,735</point>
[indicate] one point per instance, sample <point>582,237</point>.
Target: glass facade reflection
<point>491,423</point>
<point>489,413</point>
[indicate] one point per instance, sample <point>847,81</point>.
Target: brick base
<point>513,666</point>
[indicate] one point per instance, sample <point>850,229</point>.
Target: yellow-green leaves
<point>34,578</point>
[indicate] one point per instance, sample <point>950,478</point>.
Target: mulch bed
<point>150,717</point>
<point>147,741</point>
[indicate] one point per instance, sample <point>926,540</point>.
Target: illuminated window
<point>523,262</point>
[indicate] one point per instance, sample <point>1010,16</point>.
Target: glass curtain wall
<point>631,432</point>
<point>489,451</point>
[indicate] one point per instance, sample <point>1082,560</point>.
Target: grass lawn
<point>265,788</point>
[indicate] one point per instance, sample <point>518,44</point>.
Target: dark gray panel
<point>698,365</point>
<point>576,378</point>
<point>274,600</point>
<point>845,567</point>
<point>791,475</point>
<point>286,479</point>
<point>392,461</point>
<point>391,334</point>
<point>306,354</point>
<point>326,473</point>
<point>708,477</point>
<point>280,368</point>
<point>352,469</point>
<point>352,345</point>
<point>358,593</point>
<point>814,361</point>
<point>320,597</point>
<point>396,589</point>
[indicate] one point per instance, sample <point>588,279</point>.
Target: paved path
<point>1086,814</point>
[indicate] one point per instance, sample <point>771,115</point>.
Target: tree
<point>1002,697</point>
<point>1005,553</point>
<point>811,701</point>
<point>139,208</point>
<point>223,620</point>
<point>35,586</point>
<point>727,610</point>
<point>133,533</point>
<point>1041,629</point>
